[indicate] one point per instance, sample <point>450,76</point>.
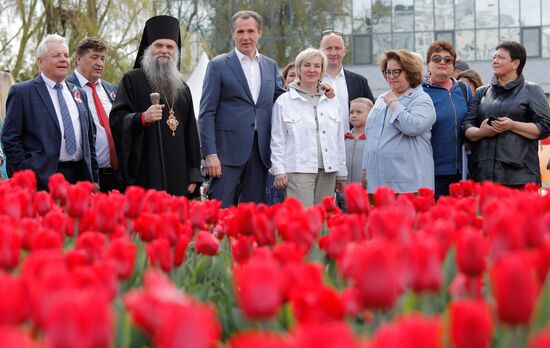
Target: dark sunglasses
<point>394,73</point>
<point>335,32</point>
<point>437,59</point>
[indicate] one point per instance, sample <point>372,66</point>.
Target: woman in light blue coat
<point>398,153</point>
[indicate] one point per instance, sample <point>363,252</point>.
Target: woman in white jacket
<point>307,135</point>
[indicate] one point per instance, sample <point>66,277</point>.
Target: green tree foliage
<point>289,25</point>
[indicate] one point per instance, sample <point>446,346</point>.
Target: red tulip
<point>58,187</point>
<point>316,304</point>
<point>46,238</point>
<point>42,203</point>
<point>107,211</point>
<point>15,337</point>
<point>392,223</point>
<point>411,331</point>
<point>337,239</point>
<point>78,198</point>
<point>24,179</point>
<point>58,221</point>
<point>425,266</point>
<point>133,201</point>
<point>541,339</point>
<point>357,199</point>
<point>288,253</point>
<point>384,196</point>
<point>241,248</point>
<point>376,273</point>
<point>206,243</point>
<point>146,226</point>
<point>94,244</point>
<point>471,324</point>
<point>259,287</point>
<point>144,306</point>
<point>258,339</point>
<point>471,252</point>
<point>159,254</point>
<point>514,288</point>
<point>10,246</point>
<point>123,253</point>
<point>334,334</point>
<point>180,250</point>
<point>190,325</point>
<point>330,205</point>
<point>80,318</point>
<point>298,226</point>
<point>14,302</point>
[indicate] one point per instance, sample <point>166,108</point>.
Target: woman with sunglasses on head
<point>450,98</point>
<point>505,124</point>
<point>398,152</point>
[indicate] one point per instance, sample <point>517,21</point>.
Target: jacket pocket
<point>398,166</point>
<point>512,149</point>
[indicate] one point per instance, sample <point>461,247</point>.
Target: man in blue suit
<point>90,61</point>
<point>48,125</point>
<point>235,115</point>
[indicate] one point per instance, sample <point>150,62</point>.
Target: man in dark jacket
<point>90,60</point>
<point>347,85</point>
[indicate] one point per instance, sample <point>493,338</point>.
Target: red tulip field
<point>146,269</point>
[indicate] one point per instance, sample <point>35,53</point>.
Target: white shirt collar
<point>51,83</point>
<point>83,81</point>
<point>241,56</point>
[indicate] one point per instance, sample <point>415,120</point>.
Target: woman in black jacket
<point>510,115</point>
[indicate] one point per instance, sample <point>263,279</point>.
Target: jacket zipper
<point>456,130</point>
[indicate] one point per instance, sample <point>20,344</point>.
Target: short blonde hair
<point>6,81</point>
<point>308,54</point>
<point>410,64</point>
<point>362,100</point>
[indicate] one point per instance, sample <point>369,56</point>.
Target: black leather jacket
<point>508,158</point>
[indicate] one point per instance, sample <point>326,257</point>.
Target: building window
<point>530,37</point>
<point>445,36</point>
<point>362,49</point>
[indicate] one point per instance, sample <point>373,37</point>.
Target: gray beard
<point>164,78</point>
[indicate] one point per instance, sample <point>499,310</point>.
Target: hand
<point>329,91</point>
<point>340,185</point>
<point>281,181</point>
<point>389,96</point>
<point>213,166</point>
<point>364,179</point>
<point>487,131</point>
<point>153,114</point>
<point>503,124</point>
<point>191,187</point>
<point>95,188</point>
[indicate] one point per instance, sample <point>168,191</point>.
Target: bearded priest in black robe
<point>157,144</point>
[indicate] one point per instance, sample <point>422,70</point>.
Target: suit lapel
<point>111,93</point>
<point>82,115</point>
<point>42,90</point>
<point>264,70</point>
<point>235,66</point>
<point>72,78</point>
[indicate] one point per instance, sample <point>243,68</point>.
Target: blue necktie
<point>70,140</point>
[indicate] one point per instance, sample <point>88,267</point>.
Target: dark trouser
<point>72,171</point>
<point>442,183</point>
<point>245,183</point>
<point>108,180</point>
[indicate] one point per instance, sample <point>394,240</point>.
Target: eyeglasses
<point>335,32</point>
<point>437,59</point>
<point>394,73</point>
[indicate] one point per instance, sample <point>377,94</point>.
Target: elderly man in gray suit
<point>235,115</point>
